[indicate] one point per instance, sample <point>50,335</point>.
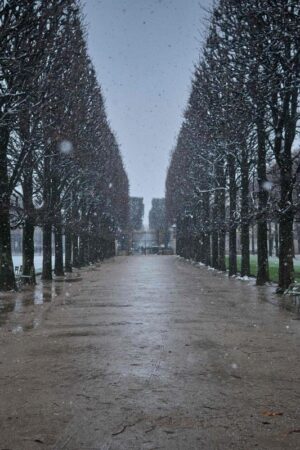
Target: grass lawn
<point>273,266</point>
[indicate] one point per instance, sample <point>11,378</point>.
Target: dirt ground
<point>148,352</point>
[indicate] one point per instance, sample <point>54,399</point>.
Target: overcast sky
<point>144,52</point>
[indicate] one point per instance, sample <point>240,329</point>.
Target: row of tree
<point>60,166</point>
<point>236,164</point>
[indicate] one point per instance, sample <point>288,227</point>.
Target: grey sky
<point>143,52</point>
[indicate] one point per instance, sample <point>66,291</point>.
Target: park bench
<point>20,278</point>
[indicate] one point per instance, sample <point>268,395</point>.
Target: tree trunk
<point>68,250</point>
<point>253,239</point>
<point>214,249</point>
<point>285,120</point>
<point>232,218</point>
<point>178,246</point>
<point>75,237</point>
<point>222,218</point>
<point>113,248</point>
<point>75,251</point>
<point>47,251</point>
<point>7,277</point>
<point>101,249</point>
<point>198,248</point>
<point>262,253</point>
<point>206,247</point>
<point>81,249</point>
<point>271,240</point>
<point>276,239</point>
<point>29,211</point>
<point>59,263</point>
<point>222,243</point>
<point>245,238</point>
<point>29,222</point>
<point>47,215</point>
<point>215,234</point>
<point>83,238</point>
<point>91,250</point>
<point>262,227</point>
<point>286,237</point>
<point>28,250</point>
<point>298,237</point>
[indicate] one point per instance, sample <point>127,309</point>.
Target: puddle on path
<point>14,306</point>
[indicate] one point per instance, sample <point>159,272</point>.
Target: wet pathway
<point>152,353</point>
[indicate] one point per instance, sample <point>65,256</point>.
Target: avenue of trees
<point>60,165</point>
<point>236,162</point>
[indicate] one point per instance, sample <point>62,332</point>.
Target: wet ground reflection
<point>19,311</point>
<point>290,303</point>
<point>13,306</point>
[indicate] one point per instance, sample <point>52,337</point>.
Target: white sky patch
<point>65,147</point>
<point>267,186</point>
<point>144,54</point>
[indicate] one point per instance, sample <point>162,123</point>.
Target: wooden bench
<point>20,278</point>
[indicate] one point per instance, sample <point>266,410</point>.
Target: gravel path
<point>150,352</point>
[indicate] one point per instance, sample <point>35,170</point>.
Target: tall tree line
<point>60,165</point>
<point>239,126</point>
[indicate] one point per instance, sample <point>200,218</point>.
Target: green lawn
<point>273,267</point>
